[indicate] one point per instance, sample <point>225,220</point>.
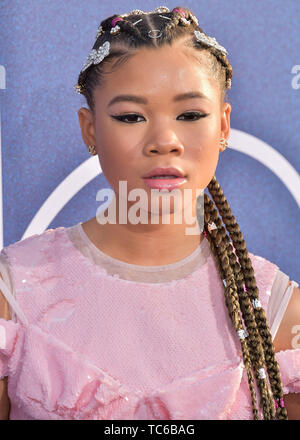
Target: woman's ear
<point>86,121</point>
<point>225,122</point>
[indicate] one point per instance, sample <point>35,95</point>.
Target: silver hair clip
<point>136,22</point>
<point>168,18</point>
<point>224,282</point>
<point>154,36</point>
<point>96,55</point>
<point>262,373</point>
<point>210,41</point>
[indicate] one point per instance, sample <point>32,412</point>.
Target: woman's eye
<point>133,117</point>
<point>197,115</point>
<point>123,117</point>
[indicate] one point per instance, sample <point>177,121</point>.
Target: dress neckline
<point>202,247</point>
<point>205,257</point>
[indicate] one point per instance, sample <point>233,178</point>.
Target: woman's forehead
<point>156,70</point>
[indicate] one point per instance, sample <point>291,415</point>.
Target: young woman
<point>142,320</point>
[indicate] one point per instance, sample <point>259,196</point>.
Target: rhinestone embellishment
<point>210,41</point>
<point>115,29</point>
<point>99,32</point>
<point>262,373</point>
<point>242,334</point>
<point>211,226</point>
<point>96,55</point>
<point>256,303</point>
<point>78,88</point>
<point>185,21</point>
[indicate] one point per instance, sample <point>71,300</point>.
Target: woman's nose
<point>166,146</point>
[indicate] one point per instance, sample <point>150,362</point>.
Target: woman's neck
<point>143,244</point>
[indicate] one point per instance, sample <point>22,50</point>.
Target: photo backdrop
<point>48,178</point>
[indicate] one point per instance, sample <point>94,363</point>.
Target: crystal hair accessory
<point>211,226</point>
<point>182,19</point>
<point>99,32</point>
<point>159,9</point>
<point>96,55</point>
<point>115,28</point>
<point>256,303</point>
<point>262,373</point>
<point>242,334</point>
<point>210,41</point>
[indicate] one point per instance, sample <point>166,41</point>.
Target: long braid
<point>255,347</point>
<point>219,249</point>
<point>250,282</point>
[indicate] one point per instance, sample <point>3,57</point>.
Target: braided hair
<point>226,241</point>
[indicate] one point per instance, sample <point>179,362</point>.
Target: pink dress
<point>88,344</point>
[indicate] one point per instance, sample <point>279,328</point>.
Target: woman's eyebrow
<point>142,100</point>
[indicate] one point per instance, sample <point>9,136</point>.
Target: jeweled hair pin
<point>210,41</point>
<point>96,55</point>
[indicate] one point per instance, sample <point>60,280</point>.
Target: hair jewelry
<point>242,334</point>
<point>281,403</point>
<point>210,41</point>
<point>211,226</point>
<point>97,55</point>
<point>256,303</point>
<point>262,373</point>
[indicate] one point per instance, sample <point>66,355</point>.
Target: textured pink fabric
<point>95,346</point>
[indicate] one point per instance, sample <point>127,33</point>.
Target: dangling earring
<point>92,150</point>
<point>224,143</point>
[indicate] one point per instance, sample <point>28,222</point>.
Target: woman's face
<point>155,129</point>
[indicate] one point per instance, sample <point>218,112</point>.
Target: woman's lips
<point>165,183</point>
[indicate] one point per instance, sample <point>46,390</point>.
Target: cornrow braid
<point>250,282</point>
<point>130,29</point>
<point>256,355</point>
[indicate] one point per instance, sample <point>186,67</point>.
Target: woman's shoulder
<point>39,236</point>
<point>33,245</point>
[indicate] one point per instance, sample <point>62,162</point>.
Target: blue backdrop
<point>48,178</point>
